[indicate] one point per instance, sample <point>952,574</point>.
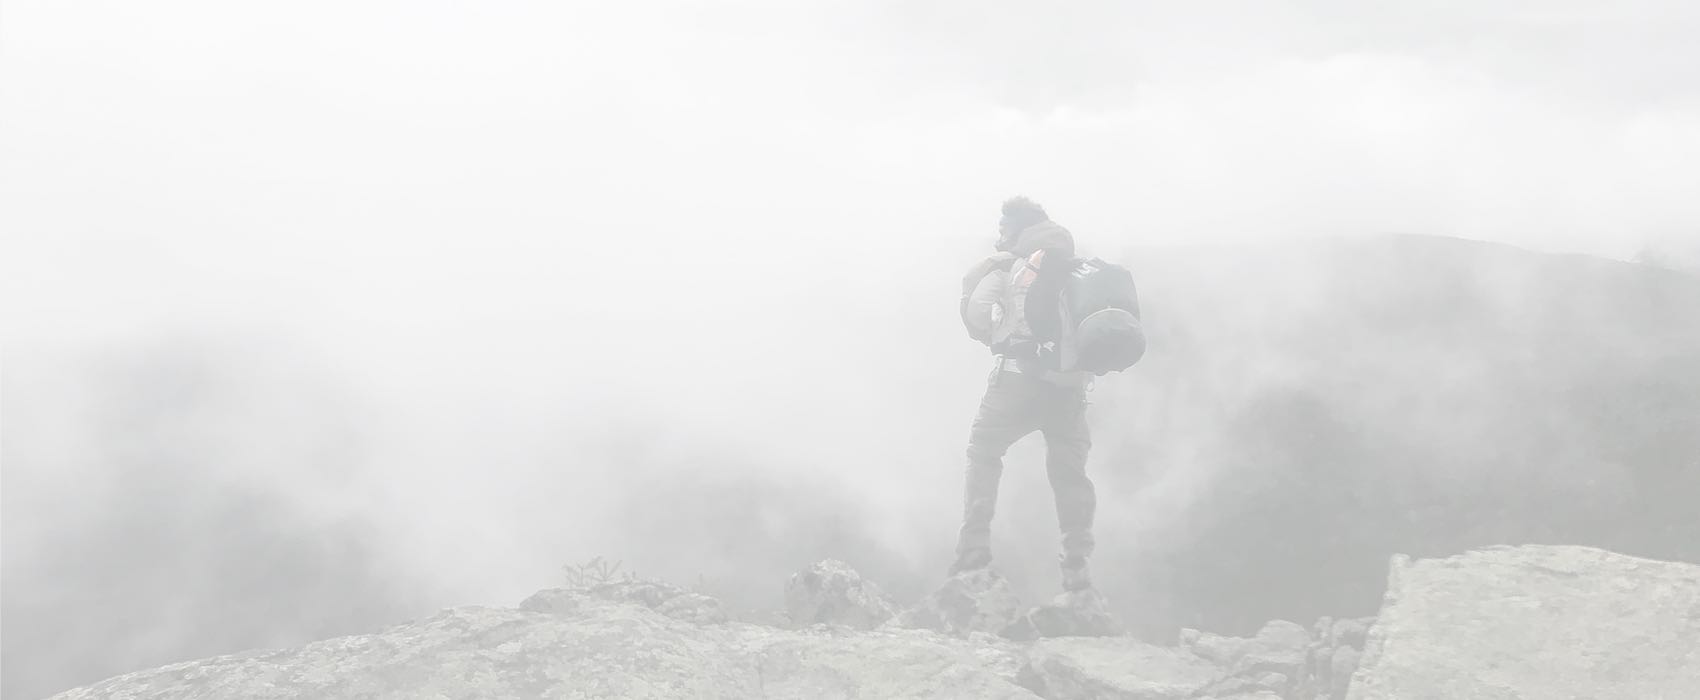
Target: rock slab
<point>1120,668</point>
<point>1534,622</point>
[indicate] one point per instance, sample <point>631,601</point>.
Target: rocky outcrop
<point>585,646</point>
<point>598,649</point>
<point>968,602</point>
<point>830,592</point>
<point>1527,622</point>
<point>1535,622</point>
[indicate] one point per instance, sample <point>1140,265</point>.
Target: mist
<point>320,317</point>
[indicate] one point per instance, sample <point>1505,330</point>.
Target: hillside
<point>1317,407</point>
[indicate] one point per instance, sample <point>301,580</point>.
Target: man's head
<point>1018,213</point>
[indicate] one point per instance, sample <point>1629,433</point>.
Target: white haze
<point>436,267</point>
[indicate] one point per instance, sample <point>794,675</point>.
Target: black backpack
<point>1101,306</point>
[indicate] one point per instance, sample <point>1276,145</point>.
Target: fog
<point>321,316</point>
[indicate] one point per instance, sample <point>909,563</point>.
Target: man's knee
<point>987,444</point>
<point>986,454</point>
<point>1066,457</point>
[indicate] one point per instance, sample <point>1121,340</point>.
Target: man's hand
<point>985,267</point>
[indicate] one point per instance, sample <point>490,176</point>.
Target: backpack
<point>1072,314</point>
<point>1099,307</point>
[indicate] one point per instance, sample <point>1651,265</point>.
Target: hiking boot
<point>1075,576</point>
<point>971,560</point>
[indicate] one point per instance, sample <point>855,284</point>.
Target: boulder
<point>1073,614</point>
<point>1217,649</point>
<point>1281,648</point>
<point>830,592</point>
<point>972,601</point>
<point>1281,634</point>
<point>1534,622</point>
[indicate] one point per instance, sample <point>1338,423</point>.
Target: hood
<point>1042,235</point>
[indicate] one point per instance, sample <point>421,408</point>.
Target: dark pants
<point>1014,407</point>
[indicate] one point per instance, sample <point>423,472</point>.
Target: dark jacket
<point>995,289</point>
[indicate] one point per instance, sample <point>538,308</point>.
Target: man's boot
<point>1075,576</point>
<point>971,560</point>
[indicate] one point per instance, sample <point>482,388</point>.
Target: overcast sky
<point>482,238</point>
<point>164,147</point>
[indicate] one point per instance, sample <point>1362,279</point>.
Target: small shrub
<point>594,573</point>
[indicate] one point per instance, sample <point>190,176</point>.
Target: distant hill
<point>1320,406</point>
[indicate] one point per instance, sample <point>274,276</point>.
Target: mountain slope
<point>1307,409</point>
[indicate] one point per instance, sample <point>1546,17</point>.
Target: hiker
<point>1012,302</point>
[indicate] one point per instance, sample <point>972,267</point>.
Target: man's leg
<point>1007,413</point>
<point>1067,442</point>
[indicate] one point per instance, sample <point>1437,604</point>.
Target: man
<point>1023,395</point>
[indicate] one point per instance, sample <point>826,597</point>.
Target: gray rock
<point>1074,614</point>
<point>877,664</point>
<point>1281,634</point>
<point>555,601</point>
<point>1341,668</point>
<point>1280,647</point>
<point>1220,650</point>
<point>1534,622</point>
<point>973,601</point>
<point>830,592</point>
<point>1350,632</point>
<point>601,649</point>
<point>1277,682</point>
<point>1287,662</point>
<point>694,607</point>
<point>1002,657</point>
<point>650,594</point>
<point>1319,663</point>
<point>1317,658</point>
<point>1111,668</point>
<point>1229,687</point>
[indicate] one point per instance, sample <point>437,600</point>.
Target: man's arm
<point>982,291</point>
